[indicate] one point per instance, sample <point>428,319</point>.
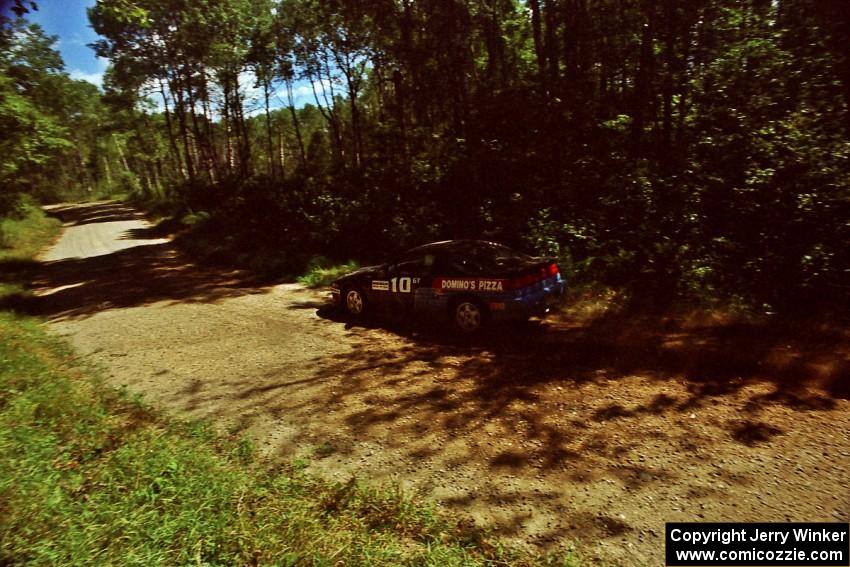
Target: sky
<point>68,20</point>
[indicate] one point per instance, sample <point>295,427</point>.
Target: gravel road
<point>578,432</point>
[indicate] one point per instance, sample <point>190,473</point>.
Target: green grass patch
<point>25,233</point>
<point>321,272</point>
<point>90,476</point>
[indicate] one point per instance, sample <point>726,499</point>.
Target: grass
<point>321,272</point>
<point>90,475</point>
<point>22,236</point>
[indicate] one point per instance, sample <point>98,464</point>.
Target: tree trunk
<point>295,123</point>
<point>353,86</point>
<point>269,142</point>
<point>281,156</point>
<point>244,142</point>
<point>227,123</point>
<point>202,155</point>
<point>666,153</point>
<point>121,155</point>
<point>329,115</point>
<point>641,91</point>
<point>551,44</point>
<point>108,172</point>
<point>537,34</point>
<point>208,127</point>
<point>157,177</point>
<point>180,110</point>
<point>172,142</point>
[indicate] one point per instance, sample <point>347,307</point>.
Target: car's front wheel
<point>354,302</point>
<point>468,316</point>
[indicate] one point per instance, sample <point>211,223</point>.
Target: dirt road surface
<point>585,431</point>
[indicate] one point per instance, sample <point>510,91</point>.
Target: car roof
<point>452,245</point>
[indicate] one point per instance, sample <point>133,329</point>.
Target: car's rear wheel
<point>354,302</point>
<point>468,316</point>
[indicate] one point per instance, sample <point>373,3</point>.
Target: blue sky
<point>68,20</point>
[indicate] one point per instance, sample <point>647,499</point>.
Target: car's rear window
<point>485,257</point>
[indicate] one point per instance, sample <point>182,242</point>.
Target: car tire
<point>354,302</point>
<point>468,315</point>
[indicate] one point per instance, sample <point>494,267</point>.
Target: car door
<point>408,277</point>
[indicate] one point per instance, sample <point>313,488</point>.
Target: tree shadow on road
<point>138,275</point>
<point>105,211</point>
<point>584,399</point>
<point>712,359</point>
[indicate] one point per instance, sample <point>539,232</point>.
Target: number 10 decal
<point>400,285</point>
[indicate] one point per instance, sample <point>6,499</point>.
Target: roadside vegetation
<point>322,271</point>
<point>675,152</point>
<point>90,475</point>
<point>23,233</point>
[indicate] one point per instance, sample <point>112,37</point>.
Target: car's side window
<point>419,265</point>
<point>408,267</point>
<point>456,266</point>
<point>442,267</point>
<point>448,266</point>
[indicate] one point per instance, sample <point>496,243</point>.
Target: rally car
<point>470,282</point>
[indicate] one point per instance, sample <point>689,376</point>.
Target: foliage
<point>321,272</point>
<point>676,149</point>
<point>23,233</point>
<point>56,132</point>
<point>26,231</point>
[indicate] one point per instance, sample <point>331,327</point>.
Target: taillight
<point>521,281</point>
<point>539,275</point>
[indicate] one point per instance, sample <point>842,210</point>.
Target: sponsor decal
<point>403,285</point>
<point>468,284</point>
<point>396,285</point>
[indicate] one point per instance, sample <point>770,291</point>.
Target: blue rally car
<point>470,282</point>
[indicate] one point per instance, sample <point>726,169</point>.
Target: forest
<point>691,150</point>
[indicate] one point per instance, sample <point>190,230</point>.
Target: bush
<point>192,218</point>
<point>321,272</point>
<point>128,184</point>
<point>25,229</point>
